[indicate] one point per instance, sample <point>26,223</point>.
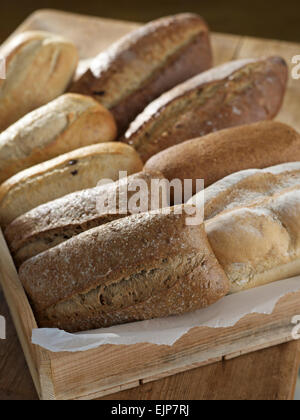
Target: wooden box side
<point>109,369</point>
<point>38,360</point>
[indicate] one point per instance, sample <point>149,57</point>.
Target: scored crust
<point>236,93</point>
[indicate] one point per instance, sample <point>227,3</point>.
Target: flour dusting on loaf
<point>140,267</point>
<point>259,244</point>
<point>246,187</point>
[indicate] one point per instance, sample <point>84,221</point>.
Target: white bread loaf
<point>39,68</point>
<point>259,244</point>
<point>246,187</point>
<point>65,124</point>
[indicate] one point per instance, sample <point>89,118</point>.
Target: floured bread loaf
<point>259,244</point>
<point>247,187</point>
<point>141,267</point>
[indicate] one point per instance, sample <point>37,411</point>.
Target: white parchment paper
<point>166,331</point>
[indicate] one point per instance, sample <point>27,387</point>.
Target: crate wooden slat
<point>109,369</point>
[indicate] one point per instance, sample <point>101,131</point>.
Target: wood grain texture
<point>268,374</point>
<point>264,375</point>
<point>15,379</point>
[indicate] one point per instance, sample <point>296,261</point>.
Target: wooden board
<point>113,368</point>
<point>268,374</point>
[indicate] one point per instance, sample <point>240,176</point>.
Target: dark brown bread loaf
<point>57,221</point>
<point>140,267</point>
<point>126,77</point>
<point>217,155</point>
<point>237,93</point>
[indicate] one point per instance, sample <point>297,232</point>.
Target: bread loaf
<point>140,267</point>
<point>259,244</point>
<point>147,62</point>
<point>236,93</point>
<point>67,123</point>
<point>57,221</point>
<point>247,187</point>
<point>228,151</point>
<point>74,171</point>
<point>39,67</point>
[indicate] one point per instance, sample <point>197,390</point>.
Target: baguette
<point>141,267</point>
<point>217,155</point>
<point>246,187</point>
<point>80,169</point>
<point>65,124</point>
<point>259,244</point>
<point>236,93</point>
<point>147,62</point>
<point>57,221</point>
<point>39,67</point>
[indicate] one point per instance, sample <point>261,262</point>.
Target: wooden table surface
<point>269,374</point>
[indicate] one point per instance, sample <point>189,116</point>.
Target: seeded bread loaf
<point>39,67</point>
<point>236,93</point>
<point>57,221</point>
<point>259,244</point>
<point>67,123</point>
<point>220,154</point>
<point>83,168</point>
<point>149,61</point>
<point>93,281</point>
<point>247,187</point>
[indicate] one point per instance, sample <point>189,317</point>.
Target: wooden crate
<point>109,369</point>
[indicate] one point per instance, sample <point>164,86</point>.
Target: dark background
<point>276,19</point>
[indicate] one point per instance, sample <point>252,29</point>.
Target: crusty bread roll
<point>236,93</point>
<point>74,171</point>
<point>228,151</point>
<point>55,222</point>
<point>247,187</point>
<point>39,67</point>
<point>65,124</point>
<point>259,244</point>
<point>140,267</point>
<point>149,61</point>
